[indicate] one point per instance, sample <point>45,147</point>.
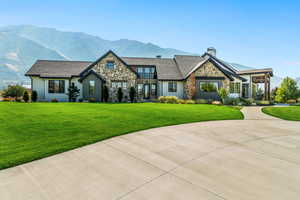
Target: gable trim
<point>94,73</point>
<point>99,59</point>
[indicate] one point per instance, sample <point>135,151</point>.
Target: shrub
<point>120,94</point>
<point>54,100</point>
<point>34,96</point>
<point>92,100</point>
<point>190,102</point>
<point>8,99</point>
<point>181,101</point>
<point>246,102</point>
<point>80,100</point>
<point>209,101</point>
<point>168,99</point>
<point>14,91</point>
<point>291,101</point>
<point>132,94</point>
<point>223,93</point>
<point>26,96</point>
<point>216,103</point>
<point>288,90</point>
<point>105,94</point>
<point>264,103</point>
<point>201,101</point>
<point>231,101</point>
<point>73,92</point>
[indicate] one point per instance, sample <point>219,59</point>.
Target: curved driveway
<point>257,158</point>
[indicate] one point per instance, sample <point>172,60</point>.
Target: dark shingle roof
<point>166,68</point>
<point>57,69</point>
<point>187,63</point>
<point>177,68</point>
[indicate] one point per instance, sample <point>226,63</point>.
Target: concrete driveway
<point>257,158</point>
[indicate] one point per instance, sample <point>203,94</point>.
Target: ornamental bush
<point>132,94</point>
<point>26,96</point>
<point>105,94</point>
<point>168,99</point>
<point>201,101</point>
<point>34,96</point>
<point>120,94</point>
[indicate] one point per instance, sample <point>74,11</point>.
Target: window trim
<point>235,87</point>
<point>110,67</point>
<point>173,87</point>
<point>61,86</point>
<point>214,83</point>
<point>94,88</point>
<point>142,74</point>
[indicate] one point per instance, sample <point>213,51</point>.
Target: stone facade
<point>120,73</point>
<point>206,70</point>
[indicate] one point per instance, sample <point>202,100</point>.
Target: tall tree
<point>287,90</point>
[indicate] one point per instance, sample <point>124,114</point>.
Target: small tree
<point>34,96</point>
<point>288,90</point>
<point>223,93</point>
<point>15,91</point>
<point>73,93</point>
<point>120,94</point>
<point>26,96</point>
<point>105,93</point>
<point>132,94</point>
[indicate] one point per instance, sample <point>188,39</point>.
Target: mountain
<point>21,46</point>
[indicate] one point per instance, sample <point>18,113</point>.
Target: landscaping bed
<point>287,113</point>
<point>30,131</point>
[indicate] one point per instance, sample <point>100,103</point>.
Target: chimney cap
<point>158,56</point>
<point>212,51</point>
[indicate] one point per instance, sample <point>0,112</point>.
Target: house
<point>187,77</point>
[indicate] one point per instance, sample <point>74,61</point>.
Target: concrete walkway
<point>253,159</point>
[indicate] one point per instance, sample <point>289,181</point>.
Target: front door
<point>146,91</point>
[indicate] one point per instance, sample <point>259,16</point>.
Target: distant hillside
<point>21,46</point>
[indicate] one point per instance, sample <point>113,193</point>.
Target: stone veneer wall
<point>207,69</point>
<point>120,73</point>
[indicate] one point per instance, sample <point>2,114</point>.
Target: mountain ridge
<point>21,46</point>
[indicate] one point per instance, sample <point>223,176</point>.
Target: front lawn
<point>287,113</point>
<point>30,131</point>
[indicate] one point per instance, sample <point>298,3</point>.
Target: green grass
<point>36,130</point>
<point>288,113</point>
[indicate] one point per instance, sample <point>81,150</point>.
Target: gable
<point>208,69</point>
<point>121,70</point>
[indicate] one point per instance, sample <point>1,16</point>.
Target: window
<point>209,86</point>
<point>119,84</point>
<point>172,86</point>
<point>146,72</point>
<point>92,88</point>
<point>153,89</point>
<point>110,64</point>
<point>235,88</point>
<point>56,86</point>
<point>140,89</point>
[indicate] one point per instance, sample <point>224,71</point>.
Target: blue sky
<point>254,33</point>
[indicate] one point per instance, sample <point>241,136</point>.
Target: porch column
<point>266,88</point>
<point>269,87</point>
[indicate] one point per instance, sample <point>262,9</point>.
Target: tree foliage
<point>15,91</point>
<point>105,93</point>
<point>287,90</point>
<point>223,93</point>
<point>26,96</point>
<point>73,92</point>
<point>120,94</point>
<point>132,94</point>
<point>34,96</point>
